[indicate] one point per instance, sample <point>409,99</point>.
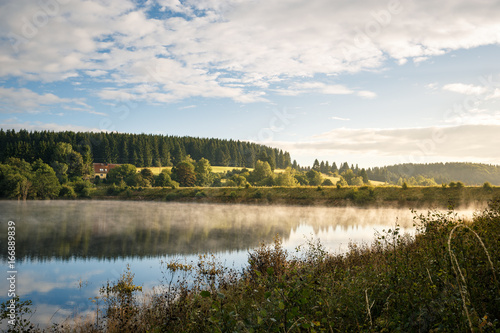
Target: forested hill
<point>468,173</point>
<point>142,150</point>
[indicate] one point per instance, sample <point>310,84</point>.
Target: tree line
<point>430,174</point>
<point>141,150</point>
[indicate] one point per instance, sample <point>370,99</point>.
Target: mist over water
<point>64,245</point>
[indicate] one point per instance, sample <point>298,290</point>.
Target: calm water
<point>66,250</point>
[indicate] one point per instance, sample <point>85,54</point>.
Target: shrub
<point>327,182</point>
<point>200,194</point>
<point>487,186</point>
<point>67,192</point>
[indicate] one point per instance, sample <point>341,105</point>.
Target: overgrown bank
<point>444,279</point>
<point>326,196</point>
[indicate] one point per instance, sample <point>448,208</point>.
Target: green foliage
<point>184,174</point>
<point>357,181</point>
<point>301,179</point>
<point>120,303</point>
<point>67,192</point>
<point>434,173</point>
<point>203,172</point>
<point>200,195</point>
<point>236,181</point>
<point>148,175</point>
<point>17,321</point>
<point>164,180</point>
<point>83,188</point>
<point>348,175</point>
<point>262,174</point>
<point>124,172</point>
<point>286,178</point>
<point>16,179</point>
<point>341,182</point>
<point>142,150</point>
<point>45,182</point>
<point>327,182</point>
<point>314,177</point>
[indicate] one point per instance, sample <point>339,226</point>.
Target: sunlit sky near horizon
<point>368,82</point>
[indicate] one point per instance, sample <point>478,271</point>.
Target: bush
<point>200,194</point>
<point>83,188</point>
<point>113,190</point>
<point>487,186</point>
<point>67,192</point>
<point>327,182</point>
<point>86,192</point>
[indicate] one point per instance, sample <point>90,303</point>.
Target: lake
<point>66,250</point>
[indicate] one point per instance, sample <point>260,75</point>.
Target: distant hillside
<point>142,150</point>
<point>468,173</point>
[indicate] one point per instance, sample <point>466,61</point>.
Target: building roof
<point>104,167</point>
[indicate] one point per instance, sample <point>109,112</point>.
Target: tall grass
<point>443,279</point>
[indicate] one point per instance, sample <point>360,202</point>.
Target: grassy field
<point>223,169</point>
<point>215,169</point>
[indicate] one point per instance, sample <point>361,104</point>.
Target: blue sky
<point>369,82</point>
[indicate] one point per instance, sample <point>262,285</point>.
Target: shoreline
<point>365,196</point>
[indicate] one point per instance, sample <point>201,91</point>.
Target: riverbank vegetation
<point>192,180</point>
<point>445,278</point>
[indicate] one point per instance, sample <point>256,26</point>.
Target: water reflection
<point>66,250</point>
<point>113,230</point>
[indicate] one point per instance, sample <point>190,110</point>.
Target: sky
<point>368,82</point>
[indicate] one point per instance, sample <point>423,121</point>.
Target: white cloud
<point>96,73</point>
<point>467,142</point>
<point>494,95</point>
<point>367,94</point>
<point>187,107</point>
<point>321,88</point>
<point>24,100</point>
<point>256,43</point>
<point>466,89</point>
<point>339,118</point>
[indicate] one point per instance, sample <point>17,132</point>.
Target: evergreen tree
<point>316,165</point>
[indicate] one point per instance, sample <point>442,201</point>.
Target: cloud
<point>494,95</point>
<point>187,107</point>
<point>466,142</point>
<point>339,118</point>
<point>96,73</point>
<point>296,89</point>
<point>367,94</point>
<point>466,89</point>
<point>193,48</point>
<point>27,101</point>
